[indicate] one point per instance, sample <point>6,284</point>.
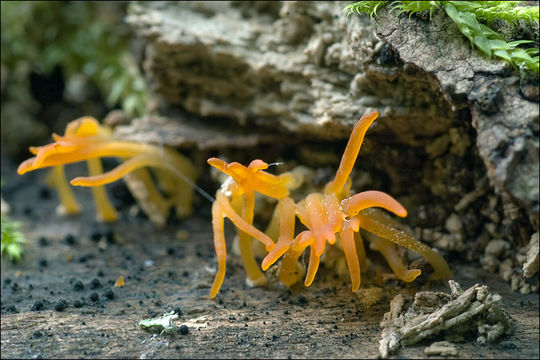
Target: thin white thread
<point>190,183</point>
<point>178,173</point>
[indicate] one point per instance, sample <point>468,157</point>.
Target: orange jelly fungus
<point>86,140</point>
<point>332,216</point>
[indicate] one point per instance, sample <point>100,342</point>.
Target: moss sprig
<point>12,239</point>
<point>364,7</point>
<point>413,7</point>
<point>510,11</point>
<point>492,43</point>
<point>467,16</point>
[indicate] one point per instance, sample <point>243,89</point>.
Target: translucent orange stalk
<point>391,254</point>
<point>289,272</point>
<point>105,210</point>
<point>118,172</point>
<point>349,248</point>
<point>442,271</point>
<point>220,209</point>
<point>247,180</point>
<point>67,198</point>
<point>220,247</point>
<point>286,210</point>
<point>351,153</point>
<point>367,199</point>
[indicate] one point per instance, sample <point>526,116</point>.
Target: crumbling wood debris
<point>142,194</point>
<point>530,267</point>
<point>433,313</point>
<point>442,348</point>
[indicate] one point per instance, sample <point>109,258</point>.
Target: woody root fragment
<point>448,315</point>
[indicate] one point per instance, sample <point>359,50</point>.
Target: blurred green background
<point>63,60</point>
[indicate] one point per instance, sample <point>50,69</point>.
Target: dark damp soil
<point>60,300</point>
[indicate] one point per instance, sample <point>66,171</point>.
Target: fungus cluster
<point>86,140</point>
<point>331,216</point>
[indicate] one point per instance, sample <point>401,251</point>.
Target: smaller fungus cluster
<point>333,216</point>
<point>86,140</point>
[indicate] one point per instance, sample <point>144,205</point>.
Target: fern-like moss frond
<point>466,16</point>
<point>413,7</point>
<point>511,11</point>
<point>365,7</point>
<point>490,42</point>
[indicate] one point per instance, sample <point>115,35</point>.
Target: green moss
<point>467,16</point>
<point>83,38</point>
<point>365,7</point>
<point>12,239</point>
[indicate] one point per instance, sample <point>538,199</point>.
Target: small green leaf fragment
<point>162,324</point>
<point>12,239</point>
